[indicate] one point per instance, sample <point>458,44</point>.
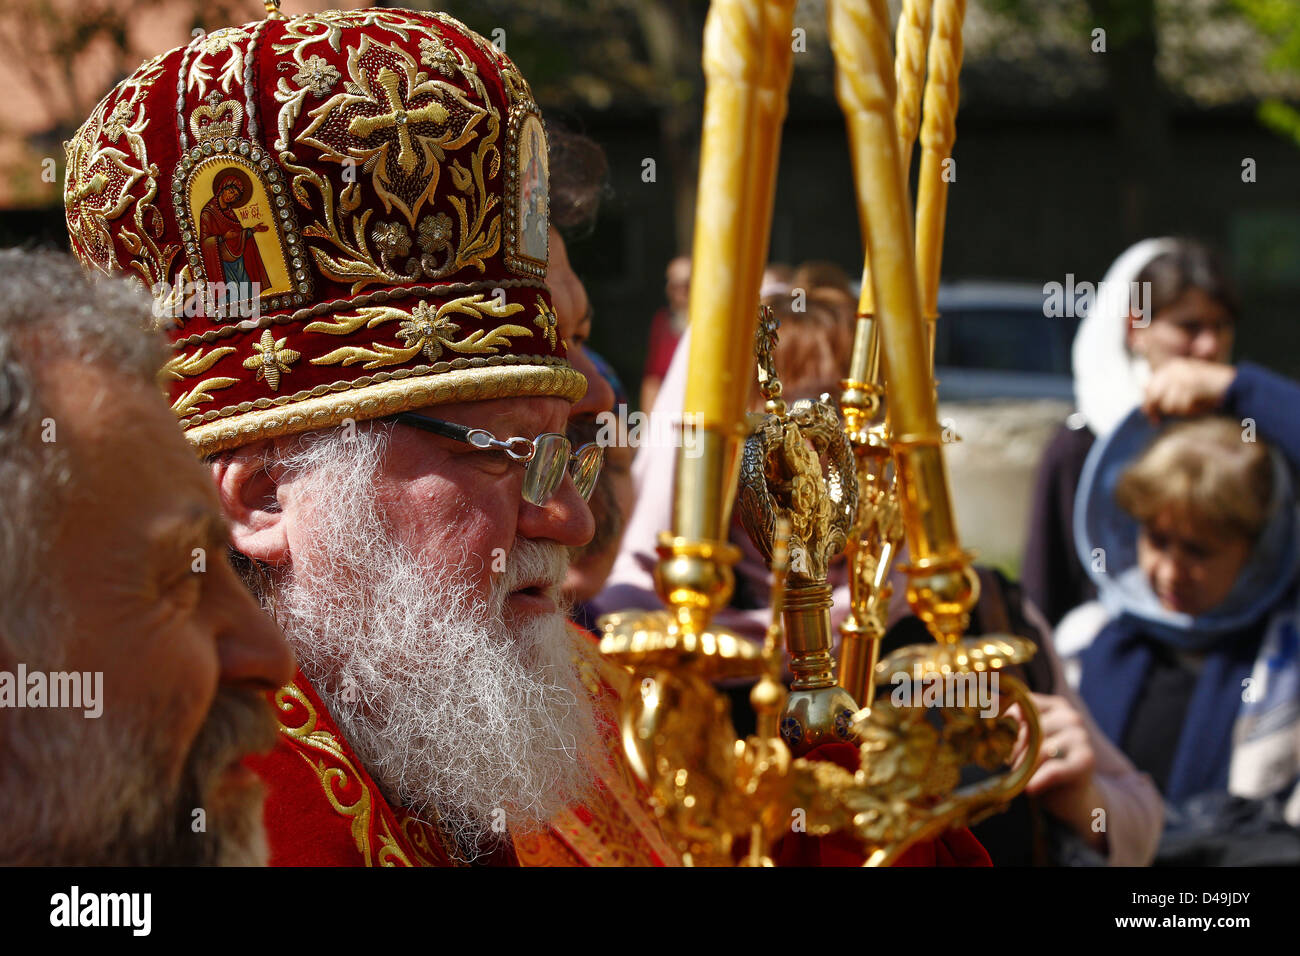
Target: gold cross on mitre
<point>399,118</point>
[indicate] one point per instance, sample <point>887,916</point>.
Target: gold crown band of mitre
<point>370,400</point>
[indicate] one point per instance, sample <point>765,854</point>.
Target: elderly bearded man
<point>386,431</point>
<point>117,593</point>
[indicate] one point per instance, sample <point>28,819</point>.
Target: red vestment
<point>323,809</point>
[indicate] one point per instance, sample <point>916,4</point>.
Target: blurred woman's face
<point>1195,326</point>
<point>1190,568</point>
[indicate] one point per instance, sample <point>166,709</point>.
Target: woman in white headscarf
<point>1164,302</point>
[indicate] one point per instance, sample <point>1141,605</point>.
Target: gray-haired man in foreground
<point>132,660</point>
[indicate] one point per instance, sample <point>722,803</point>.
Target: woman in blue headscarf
<point>1189,659</point>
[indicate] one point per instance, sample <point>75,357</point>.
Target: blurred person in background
<point>114,572</point>
<point>611,503</point>
<point>821,274</point>
<point>1189,658</point>
<point>666,328</point>
<point>1189,323</point>
<point>778,279</point>
<point>579,170</point>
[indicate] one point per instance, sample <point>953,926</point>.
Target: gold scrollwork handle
<point>974,803</point>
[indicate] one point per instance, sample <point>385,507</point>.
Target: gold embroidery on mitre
<point>272,359</point>
<point>183,366</point>
<point>328,25</point>
<point>394,121</point>
<point>100,182</point>
<point>516,87</point>
<point>383,393</point>
<point>547,321</point>
<point>230,70</point>
<point>477,238</point>
<point>425,329</point>
<point>216,119</point>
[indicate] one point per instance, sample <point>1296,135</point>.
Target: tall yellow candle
<point>938,133</point>
<point>865,87</point>
<point>909,73</point>
<point>747,62</point>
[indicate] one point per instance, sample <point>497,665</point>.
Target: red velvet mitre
<point>381,175</point>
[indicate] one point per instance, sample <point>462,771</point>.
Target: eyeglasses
<point>545,458</point>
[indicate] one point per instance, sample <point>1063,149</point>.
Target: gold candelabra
<point>810,483</point>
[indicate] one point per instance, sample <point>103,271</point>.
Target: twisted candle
<point>909,72</point>
<point>938,132</point>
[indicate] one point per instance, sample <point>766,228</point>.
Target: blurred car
<point>1005,386</point>
<point>994,342</point>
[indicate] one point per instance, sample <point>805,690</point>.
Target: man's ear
<point>250,499</point>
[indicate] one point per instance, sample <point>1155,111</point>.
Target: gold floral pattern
<point>272,359</point>
<point>105,183</point>
<point>230,70</point>
<point>434,232</point>
<point>118,120</point>
<point>396,125</point>
<point>317,75</point>
<point>435,54</point>
<point>425,329</point>
<point>547,321</point>
<point>182,366</point>
<point>392,239</point>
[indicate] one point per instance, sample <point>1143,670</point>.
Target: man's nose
<point>252,650</point>
<point>600,394</point>
<point>565,518</point>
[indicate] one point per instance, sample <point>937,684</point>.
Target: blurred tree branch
<point>48,43</point>
<point>1279,22</point>
<point>1138,100</point>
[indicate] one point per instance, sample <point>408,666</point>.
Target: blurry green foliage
<point>1279,21</point>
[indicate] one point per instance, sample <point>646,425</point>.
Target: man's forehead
<point>521,416</point>
<point>125,448</point>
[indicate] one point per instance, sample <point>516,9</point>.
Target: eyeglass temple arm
<point>435,425</point>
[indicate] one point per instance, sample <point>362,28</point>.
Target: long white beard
<point>452,707</point>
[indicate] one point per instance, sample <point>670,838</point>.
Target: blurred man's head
<point>677,283</point>
<point>113,562</point>
<point>578,183</point>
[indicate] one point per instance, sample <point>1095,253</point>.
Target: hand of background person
<point>1063,777</point>
<point>1186,386</point>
